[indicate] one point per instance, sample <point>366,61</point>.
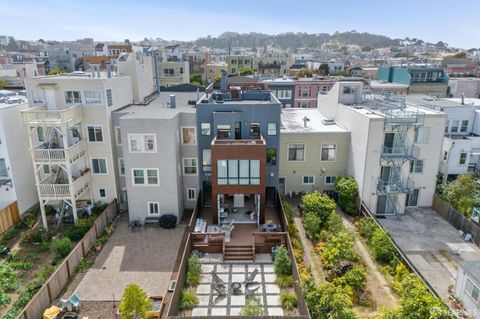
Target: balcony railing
<point>61,191</point>
<point>398,185</point>
<point>259,141</point>
<point>60,155</point>
<point>41,115</point>
<point>394,152</point>
<point>404,118</point>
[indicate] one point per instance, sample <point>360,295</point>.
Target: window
<point>3,168</point>
<point>255,129</point>
<point>463,158</point>
<point>121,166</point>
<point>445,156</point>
<point>272,129</point>
<point>189,136</point>
<point>328,152</point>
<point>189,166</point>
<point>191,194</point>
<point>95,133</point>
<point>153,208</point>
<point>223,131</point>
<point>296,152</point>
<point>446,126</point>
<point>38,96</point>
<point>207,160</point>
<point>181,70</point>
<point>102,192</point>
<point>238,172</point>
<point>109,97</point>
<point>118,135</point>
<point>142,143</point>
<point>271,156</point>
<point>472,290</point>
<point>304,92</point>
<point>46,169</point>
<point>40,135</point>
<point>330,180</point>
<point>168,72</point>
<point>92,96</point>
<point>145,176</point>
<point>308,180</point>
<point>205,127</point>
<point>348,89</point>
<point>464,126</point>
<point>304,105</point>
<point>72,97</point>
<point>99,166</point>
<point>454,128</point>
<point>422,134</point>
<point>416,166</point>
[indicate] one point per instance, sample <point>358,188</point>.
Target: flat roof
<point>160,108</point>
<point>293,122</point>
<point>473,267</point>
<point>428,101</point>
<point>382,84</point>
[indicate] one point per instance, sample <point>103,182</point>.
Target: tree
<point>337,249</point>
<point>367,48</point>
<point>55,71</point>
<point>317,210</point>
<point>245,70</point>
<point>382,247</point>
<point>3,84</point>
<point>324,69</point>
<point>460,192</point>
<point>135,303</point>
<point>196,79</point>
<point>347,189</point>
<point>461,54</point>
<point>304,73</point>
<point>283,263</point>
<point>329,301</point>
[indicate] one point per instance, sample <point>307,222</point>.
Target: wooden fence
<point>9,216</point>
<point>456,219</point>
<point>54,286</point>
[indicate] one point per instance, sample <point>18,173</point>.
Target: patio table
<point>269,227</point>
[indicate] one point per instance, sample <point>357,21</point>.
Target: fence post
<point>83,248</point>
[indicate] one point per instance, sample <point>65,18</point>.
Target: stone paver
<point>146,257</point>
<point>275,311</point>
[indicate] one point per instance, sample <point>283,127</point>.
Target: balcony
<point>404,118</point>
<point>70,154</point>
<point>65,191</point>
<point>400,185</point>
<point>233,142</point>
<point>43,116</point>
<point>400,153</point>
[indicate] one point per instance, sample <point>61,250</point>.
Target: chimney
<point>305,120</point>
<point>173,101</point>
<point>462,97</point>
<point>109,70</point>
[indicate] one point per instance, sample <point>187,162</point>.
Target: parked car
<point>14,99</point>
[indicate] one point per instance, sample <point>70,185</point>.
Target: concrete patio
<point>144,257</point>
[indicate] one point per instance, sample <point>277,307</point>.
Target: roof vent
<point>328,122</point>
<point>173,101</point>
<point>358,107</point>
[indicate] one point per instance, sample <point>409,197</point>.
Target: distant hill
<point>296,40</point>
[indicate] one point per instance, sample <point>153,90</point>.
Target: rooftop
<point>383,84</point>
<point>78,75</point>
<point>473,267</point>
<point>428,101</point>
<point>236,95</point>
<point>160,108</point>
<point>293,122</point>
<point>279,81</point>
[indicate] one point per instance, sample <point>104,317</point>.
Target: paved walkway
<point>146,257</point>
<point>429,241</point>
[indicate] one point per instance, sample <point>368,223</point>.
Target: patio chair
<point>218,298</point>
<point>220,289</point>
<point>251,277</point>
<point>249,292</point>
<point>468,237</point>
<point>217,280</point>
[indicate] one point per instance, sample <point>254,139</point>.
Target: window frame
<point>209,166</point>
<point>334,153</point>
<point>464,159</point>
<point>330,176</point>
<point>109,97</point>
<point>120,161</point>
<point>425,140</point>
<point>72,102</point>
<point>196,166</point>
<point>93,166</point>
<point>304,152</point>
<point>188,189</point>
<point>4,160</point>
<point>308,183</point>
<point>118,130</point>
<point>183,136</point>
<point>145,177</point>
<point>473,286</point>
<point>274,124</point>
<point>252,129</point>
<point>142,142</point>
<point>270,163</point>
<point>456,127</point>
<point>149,212</point>
<point>209,128</point>
<point>90,100</point>
<point>95,126</point>
<point>413,166</point>
<point>464,128</point>
<point>100,192</point>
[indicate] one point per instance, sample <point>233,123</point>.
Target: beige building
<point>313,151</point>
<point>213,70</point>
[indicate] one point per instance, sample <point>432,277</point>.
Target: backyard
<point>34,255</point>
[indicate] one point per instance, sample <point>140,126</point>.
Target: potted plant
<point>98,245</point>
<point>109,230</point>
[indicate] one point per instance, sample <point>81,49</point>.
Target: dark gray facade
<point>284,90</point>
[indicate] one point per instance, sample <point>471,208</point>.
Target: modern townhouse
<point>283,89</point>
<point>313,152</point>
<point>17,181</point>
<point>71,135</point>
<point>157,155</point>
<point>394,146</point>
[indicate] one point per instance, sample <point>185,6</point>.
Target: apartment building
<point>469,87</point>
<point>236,62</point>
<point>271,65</point>
<point>214,70</point>
<point>394,146</point>
<point>238,141</point>
<point>173,73</point>
<point>71,135</point>
<point>313,151</point>
<point>157,155</point>
<point>283,89</point>
<point>420,80</point>
<point>308,89</point>
<point>17,181</point>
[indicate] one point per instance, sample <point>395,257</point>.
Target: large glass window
<point>454,128</point>
<point>464,126</point>
<point>145,176</point>
<point>121,166</point>
<point>255,129</point>
<point>308,180</point>
<point>271,156</point>
<point>142,143</point>
<point>328,152</point>
<point>99,166</point>
<point>205,127</point>
<point>422,134</point>
<point>95,133</point>
<point>92,96</point>
<point>472,290</point>
<point>223,131</point>
<point>238,172</point>
<point>207,160</point>
<point>296,152</point>
<point>3,168</point>
<point>272,129</point>
<point>416,166</point>
<point>463,158</point>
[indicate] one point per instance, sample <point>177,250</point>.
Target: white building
<point>394,146</point>
<point>17,181</point>
<point>467,286</point>
<point>470,87</point>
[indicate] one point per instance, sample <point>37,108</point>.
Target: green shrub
<point>10,234</point>
<point>338,248</point>
<point>283,263</point>
<point>317,210</point>
<point>11,314</point>
<point>83,225</point>
<point>188,300</point>
<point>355,278</point>
<point>366,227</point>
<point>194,270</point>
<point>28,219</point>
<point>284,281</point>
<point>8,278</point>
<point>46,272</point>
<point>21,265</point>
<point>37,234</point>
<point>50,210</point>
<point>252,308</point>
<point>289,301</point>
<point>61,247</point>
<point>347,190</point>
<point>288,211</point>
<point>382,247</point>
<point>328,301</point>
<point>43,247</point>
<point>83,265</point>
<point>98,208</point>
<point>4,298</point>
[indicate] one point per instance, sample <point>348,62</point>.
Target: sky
<point>454,22</point>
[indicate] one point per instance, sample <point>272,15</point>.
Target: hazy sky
<point>454,22</point>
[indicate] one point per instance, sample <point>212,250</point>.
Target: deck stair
<point>238,252</point>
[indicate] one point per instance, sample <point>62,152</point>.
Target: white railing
<point>55,190</point>
<point>81,184</point>
<point>42,115</point>
<point>54,155</point>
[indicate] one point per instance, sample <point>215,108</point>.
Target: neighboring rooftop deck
<point>257,141</point>
<point>308,121</point>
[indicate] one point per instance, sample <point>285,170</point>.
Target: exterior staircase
<point>238,252</point>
